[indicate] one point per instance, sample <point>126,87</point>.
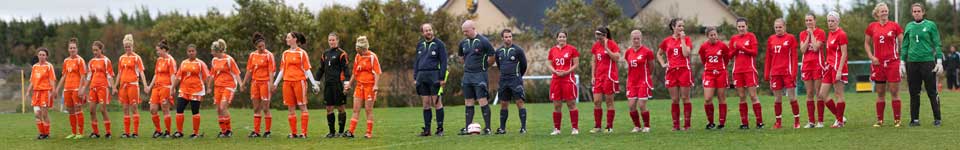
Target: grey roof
<point>531,12</point>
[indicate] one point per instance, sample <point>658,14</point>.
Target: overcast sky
<point>60,10</point>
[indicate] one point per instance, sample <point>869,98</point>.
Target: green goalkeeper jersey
<point>921,42</point>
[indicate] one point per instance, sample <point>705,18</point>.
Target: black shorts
<point>428,83</point>
<point>333,94</point>
<point>475,91</point>
<point>511,92</point>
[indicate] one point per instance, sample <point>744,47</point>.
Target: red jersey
<point>884,39</point>
<point>744,48</point>
<point>675,57</point>
<point>834,41</point>
<point>813,58</point>
<point>714,55</point>
<point>638,67</point>
<point>604,66</point>
<point>562,59</point>
<point>781,58</point>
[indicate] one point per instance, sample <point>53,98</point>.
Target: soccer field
<point>396,128</point>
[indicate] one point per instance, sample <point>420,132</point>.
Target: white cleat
<point>609,130</point>
<point>819,125</point>
<point>595,130</point>
<point>635,130</point>
<point>575,132</point>
<point>555,131</point>
<point>809,125</point>
<point>645,130</point>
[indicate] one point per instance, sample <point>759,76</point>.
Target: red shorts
<point>223,94</point>
<point>809,75</point>
<point>129,93</point>
<point>779,82</point>
<point>886,71</point>
<point>294,93</point>
<point>745,79</point>
<point>715,79</point>
<point>679,77</point>
<point>830,77</point>
<point>161,95</point>
<point>71,98</point>
<point>364,91</point>
<point>41,98</point>
<point>563,91</point>
<point>98,95</point>
<point>605,86</point>
<point>260,90</point>
<point>640,92</point>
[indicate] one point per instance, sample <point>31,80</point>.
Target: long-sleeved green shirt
<point>921,42</point>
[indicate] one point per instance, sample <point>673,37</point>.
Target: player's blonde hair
<point>876,9</point>
<point>220,45</point>
<point>128,39</point>
<point>362,42</point>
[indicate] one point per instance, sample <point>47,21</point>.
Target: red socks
<point>179,123</point>
<point>106,126</point>
<point>156,122</point>
<point>575,119</point>
<point>597,117</point>
<point>896,109</point>
<point>810,111</point>
<point>369,126</point>
<point>126,124</point>
<point>686,114</point>
<point>256,123</point>
<point>795,108</point>
<point>80,122</point>
<point>743,114</point>
<point>841,106</point>
<point>268,122</point>
<point>635,117</point>
<point>166,122</point>
<point>832,106</point>
<point>40,126</point>
<point>646,118</point>
<point>708,108</point>
<point>196,124</point>
<point>610,115</point>
<point>136,123</point>
<point>293,123</point>
<point>223,124</point>
<point>73,123</point>
<point>723,113</point>
<point>880,106</point>
<point>820,106</point>
<point>557,117</point>
<point>675,114</point>
<point>353,125</point>
<point>757,112</point>
<point>93,124</point>
<point>777,110</point>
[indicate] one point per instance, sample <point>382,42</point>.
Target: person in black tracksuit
<point>429,73</point>
<point>952,65</point>
<point>513,65</point>
<point>335,73</point>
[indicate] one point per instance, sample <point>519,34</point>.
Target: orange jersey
<point>294,63</point>
<point>164,70</point>
<point>261,65</point>
<point>41,76</point>
<point>74,70</point>
<point>192,75</point>
<point>366,66</point>
<point>128,67</point>
<point>100,70</point>
<point>223,71</point>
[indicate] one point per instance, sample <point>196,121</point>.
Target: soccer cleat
<point>878,124</point>
<point>915,123</point>
<point>594,130</point>
<point>166,134</point>
<point>819,125</point>
<point>40,137</point>
<point>368,136</point>
<point>575,132</point>
<point>463,131</point>
<point>609,130</point>
<point>331,135</point>
<point>123,136</point>
<point>78,137</point>
<point>487,131</point>
<point>70,136</point>
<point>675,129</point>
<point>645,130</point>
<point>759,125</point>
<point>94,135</point>
<point>809,125</point>
<point>134,135</point>
<point>936,123</point>
<point>777,125</point>
<point>744,127</point>
<point>501,131</point>
<point>555,131</point>
<point>177,135</point>
<point>302,136</point>
<point>157,134</point>
<point>221,135</point>
<point>439,132</point>
<point>291,136</point>
<point>194,136</point>
<point>635,130</point>
<point>425,132</point>
<point>711,126</point>
<point>523,131</point>
<point>253,135</point>
<point>796,125</point>
<point>266,134</point>
<point>720,127</point>
<point>108,135</point>
<point>229,133</point>
<point>840,125</point>
<point>896,123</point>
<point>348,135</point>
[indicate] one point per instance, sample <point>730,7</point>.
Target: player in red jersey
<point>563,88</point>
<point>835,69</point>
<point>780,69</point>
<point>811,46</point>
<point>880,42</point>
<point>606,80</point>
<point>639,81</point>
<point>744,46</point>
<point>715,55</point>
<point>677,49</point>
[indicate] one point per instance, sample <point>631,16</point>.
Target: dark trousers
<point>952,82</point>
<point>920,74</point>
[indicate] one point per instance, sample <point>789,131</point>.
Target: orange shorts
<point>364,91</point>
<point>260,90</point>
<point>98,95</point>
<point>129,93</point>
<point>294,93</point>
<point>71,98</point>
<point>221,94</point>
<point>161,95</point>
<point>41,98</point>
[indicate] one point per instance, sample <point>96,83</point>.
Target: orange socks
<point>353,125</point>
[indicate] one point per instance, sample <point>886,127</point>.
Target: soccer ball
<point>474,128</point>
